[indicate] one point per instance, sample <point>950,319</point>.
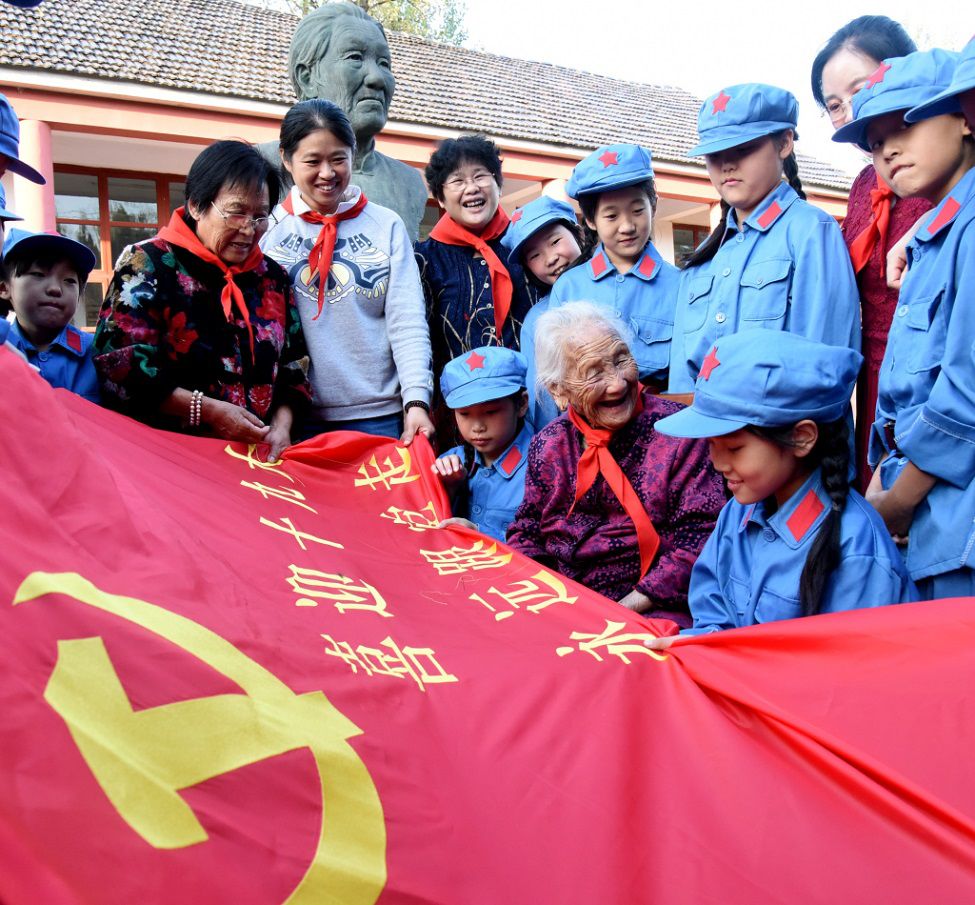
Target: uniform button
<point>483,261</point>
<point>619,277</point>
<point>43,356</point>
<point>902,311</point>
<point>768,534</point>
<point>720,317</point>
<point>475,509</point>
<point>487,285</point>
<point>726,272</point>
<point>759,281</point>
<point>740,237</point>
<point>619,313</point>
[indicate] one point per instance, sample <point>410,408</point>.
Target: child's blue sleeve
<point>825,301</point>
<point>709,606</point>
<point>939,437</point>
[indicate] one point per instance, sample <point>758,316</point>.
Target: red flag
<point>225,681</point>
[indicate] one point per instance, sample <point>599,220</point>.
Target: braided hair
<point>709,247</point>
<point>832,455</point>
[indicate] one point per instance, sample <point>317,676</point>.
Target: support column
<point>35,203</point>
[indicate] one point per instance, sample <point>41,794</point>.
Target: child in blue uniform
<point>486,476</point>
<point>544,237</point>
<point>615,189</point>
<point>796,540</point>
<point>774,261</point>
<point>44,276</point>
<point>924,433</point>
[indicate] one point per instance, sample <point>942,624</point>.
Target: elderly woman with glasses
<point>198,332</point>
<point>876,219</point>
<point>608,501</point>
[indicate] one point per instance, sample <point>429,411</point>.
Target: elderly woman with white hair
<point>608,501</point>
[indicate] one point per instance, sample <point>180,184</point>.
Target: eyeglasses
<point>459,183</point>
<point>242,221</point>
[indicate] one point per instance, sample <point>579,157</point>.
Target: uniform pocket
<point>696,296</point>
<point>652,346</point>
<point>925,334</point>
<point>772,607</point>
<point>765,290</point>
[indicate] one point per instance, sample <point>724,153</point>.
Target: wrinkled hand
<point>279,439</point>
<point>456,522</point>
<point>450,469</point>
<point>636,601</point>
<point>231,422</point>
<point>417,421</point>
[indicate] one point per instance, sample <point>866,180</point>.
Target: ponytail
<point>791,169</point>
<point>833,451</point>
<point>709,247</point>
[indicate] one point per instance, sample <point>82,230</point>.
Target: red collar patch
<point>516,216</point>
<point>710,363</point>
<point>720,103</point>
<point>598,265</point>
<point>474,361</point>
<point>74,340</point>
<point>769,215</point>
<point>805,514</point>
<point>878,75</point>
<point>609,158</point>
<point>647,266</point>
<point>510,461</point>
<point>947,213</point>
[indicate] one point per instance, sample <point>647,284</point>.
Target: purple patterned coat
<point>597,544</point>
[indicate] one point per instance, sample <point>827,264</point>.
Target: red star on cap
<point>710,363</point>
<point>878,75</point>
<point>609,158</point>
<point>474,361</point>
<point>516,216</point>
<point>720,103</point>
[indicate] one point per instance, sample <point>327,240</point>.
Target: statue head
<point>340,52</point>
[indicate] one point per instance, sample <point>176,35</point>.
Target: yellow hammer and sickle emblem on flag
<point>142,759</point>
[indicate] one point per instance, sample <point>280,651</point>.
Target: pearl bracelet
<point>196,407</point>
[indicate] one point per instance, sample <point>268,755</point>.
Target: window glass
<point>132,200</point>
<point>92,303</point>
<point>86,234</point>
<point>76,196</point>
<point>128,235</point>
<point>177,195</point>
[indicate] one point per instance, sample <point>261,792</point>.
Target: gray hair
<point>309,43</point>
<point>555,331</point>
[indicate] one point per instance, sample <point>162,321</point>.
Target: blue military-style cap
<point>537,214</point>
<point>900,83</point>
<point>4,213</point>
<point>610,167</point>
<point>490,372</point>
<point>25,4</point>
<point>742,113</point>
<point>766,380</point>
<point>27,242</point>
<point>10,144</point>
<point>962,80</point>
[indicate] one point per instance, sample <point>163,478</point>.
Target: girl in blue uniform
<point>924,433</point>
<point>544,237</point>
<point>774,261</point>
<point>796,540</point>
<point>615,190</point>
<point>486,475</point>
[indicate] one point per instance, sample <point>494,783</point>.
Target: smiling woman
<point>198,332</point>
<point>608,501</point>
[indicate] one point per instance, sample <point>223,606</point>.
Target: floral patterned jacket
<point>162,327</point>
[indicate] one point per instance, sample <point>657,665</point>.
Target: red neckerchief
<point>598,460</point>
<point>320,257</point>
<point>875,232</point>
<point>179,234</point>
<point>450,232</point>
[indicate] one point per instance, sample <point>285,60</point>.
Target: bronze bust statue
<point>340,52</point>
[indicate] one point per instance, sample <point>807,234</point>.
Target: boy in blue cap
<point>796,540</point>
<point>909,117</point>
<point>486,475</point>
<point>44,277</point>
<point>544,237</point>
<point>774,261</point>
<point>615,190</point>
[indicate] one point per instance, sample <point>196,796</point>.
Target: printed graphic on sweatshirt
<point>358,268</point>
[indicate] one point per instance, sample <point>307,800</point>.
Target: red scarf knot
<point>450,232</point>
<point>875,232</point>
<point>598,460</point>
<point>320,257</point>
<point>179,234</point>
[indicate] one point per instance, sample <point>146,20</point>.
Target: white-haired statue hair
<point>559,329</point>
